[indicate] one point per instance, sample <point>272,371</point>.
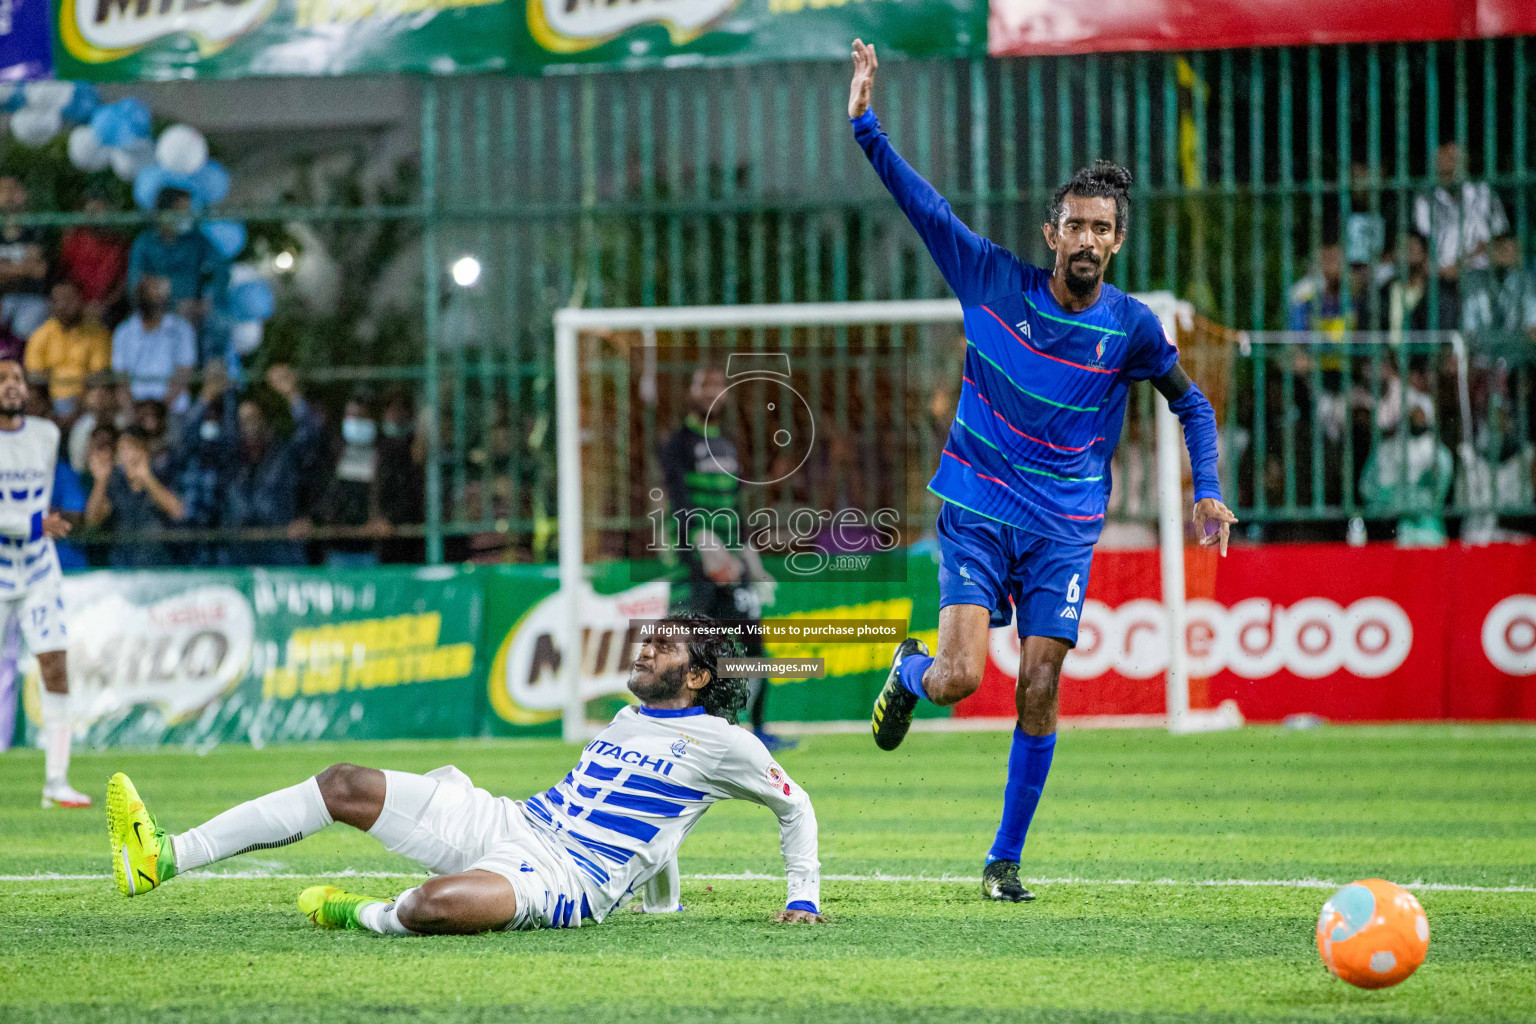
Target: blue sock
<point>911,673</point>
<point>1029,762</point>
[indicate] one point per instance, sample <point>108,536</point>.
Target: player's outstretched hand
<point>864,65</point>
<point>1210,510</point>
<point>56,527</point>
<point>798,917</point>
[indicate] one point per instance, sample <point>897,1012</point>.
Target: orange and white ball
<point>1372,933</point>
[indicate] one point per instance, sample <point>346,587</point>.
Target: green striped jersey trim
<point>1026,469</point>
<point>1039,398</point>
<point>1071,323</point>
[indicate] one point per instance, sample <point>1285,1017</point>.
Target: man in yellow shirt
<point>67,349</point>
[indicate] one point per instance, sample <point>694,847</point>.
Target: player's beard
<point>658,686</point>
<point>1080,285</point>
<point>12,407</point>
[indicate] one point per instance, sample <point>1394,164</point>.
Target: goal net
<point>820,425</point>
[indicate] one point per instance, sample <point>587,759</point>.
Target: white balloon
<point>86,151</point>
<point>182,149</point>
<point>129,160</point>
<point>48,95</point>
<point>34,126</point>
<point>245,336</point>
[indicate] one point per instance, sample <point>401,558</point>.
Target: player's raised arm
<point>748,772</point>
<point>973,266</point>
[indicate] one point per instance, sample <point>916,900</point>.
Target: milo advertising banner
<point>672,33</point>
<point>196,659</point>
<point>125,40</point>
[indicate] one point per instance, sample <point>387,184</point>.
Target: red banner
<point>1021,27</point>
<point>1355,634</point>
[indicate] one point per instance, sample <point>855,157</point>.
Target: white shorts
<point>443,822</point>
<point>40,612</point>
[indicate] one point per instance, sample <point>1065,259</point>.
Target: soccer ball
<point>1372,933</point>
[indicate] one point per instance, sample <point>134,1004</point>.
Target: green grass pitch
<point>1134,830</point>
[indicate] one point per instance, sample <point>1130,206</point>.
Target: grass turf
<point>1444,805</point>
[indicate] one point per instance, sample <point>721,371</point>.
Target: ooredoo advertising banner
<point>1372,633</point>
<point>1025,27</point>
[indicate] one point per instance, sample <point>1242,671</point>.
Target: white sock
<point>384,918</point>
<point>56,736</point>
<point>265,823</point>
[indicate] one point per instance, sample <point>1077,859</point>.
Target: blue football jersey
<point>1043,391</point>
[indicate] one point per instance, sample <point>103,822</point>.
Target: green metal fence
<point>744,185</point>
<point>739,185</point>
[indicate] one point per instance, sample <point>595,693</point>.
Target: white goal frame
<point>570,322</point>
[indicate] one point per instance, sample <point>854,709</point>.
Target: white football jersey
<point>643,784</point>
<point>27,458</point>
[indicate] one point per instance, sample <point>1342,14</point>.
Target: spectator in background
<point>1507,303</point>
<point>402,458</point>
<point>1403,304</point>
<point>206,455</point>
<point>1459,217</point>
<point>67,349</point>
<point>95,261</point>
<point>129,498</point>
<point>1409,474</point>
<point>264,489</point>
<point>352,499</point>
<point>149,417</point>
<point>1317,300</point>
<point>101,454</point>
<point>154,348</point>
<point>98,407</point>
<point>176,250</point>
<point>23,266</point>
<point>69,499</point>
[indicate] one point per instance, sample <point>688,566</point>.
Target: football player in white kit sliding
<point>30,581</point>
<point>562,858</point>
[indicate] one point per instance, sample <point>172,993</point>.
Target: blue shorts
<point>985,562</point>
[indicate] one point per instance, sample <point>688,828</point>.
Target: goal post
<point>571,323</point>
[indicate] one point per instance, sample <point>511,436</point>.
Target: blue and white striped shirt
<point>644,782</point>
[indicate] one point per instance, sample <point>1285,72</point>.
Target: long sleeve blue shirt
<point>1043,391</point>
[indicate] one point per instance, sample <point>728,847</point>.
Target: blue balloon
<point>82,104</point>
<point>252,300</point>
<point>147,187</point>
<point>135,118</point>
<point>210,184</point>
<point>226,236</point>
<point>15,101</point>
<point>107,123</point>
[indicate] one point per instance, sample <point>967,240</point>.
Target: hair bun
<point>1111,174</point>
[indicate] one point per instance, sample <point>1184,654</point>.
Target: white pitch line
<point>753,876</point>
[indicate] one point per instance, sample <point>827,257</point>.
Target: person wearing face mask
<point>401,478</point>
<point>154,349</point>
<point>265,488</point>
<point>352,499</point>
<point>204,455</point>
<point>130,498</point>
<point>176,250</point>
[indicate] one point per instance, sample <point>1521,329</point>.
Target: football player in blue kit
<point>1024,474</point>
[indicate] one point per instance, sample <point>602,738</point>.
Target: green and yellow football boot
<point>893,708</point>
<point>141,851</point>
<point>330,906</point>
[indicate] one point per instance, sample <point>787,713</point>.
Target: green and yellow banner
<point>194,659</point>
<point>128,40</point>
